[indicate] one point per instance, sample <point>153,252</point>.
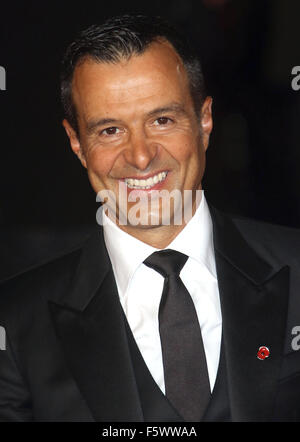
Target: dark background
<point>248,49</point>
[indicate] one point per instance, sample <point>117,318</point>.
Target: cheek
<point>191,157</point>
<point>100,163</point>
<point>184,149</point>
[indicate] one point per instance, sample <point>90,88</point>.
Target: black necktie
<point>185,369</point>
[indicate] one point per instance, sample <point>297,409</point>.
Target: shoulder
<point>261,228</point>
<point>25,248</point>
<point>26,291</point>
<point>276,242</point>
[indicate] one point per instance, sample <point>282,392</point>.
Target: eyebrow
<point>172,107</point>
<point>93,124</point>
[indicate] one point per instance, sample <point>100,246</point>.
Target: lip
<point>144,177</point>
<point>156,186</point>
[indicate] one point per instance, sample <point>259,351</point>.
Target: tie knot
<point>166,262</point>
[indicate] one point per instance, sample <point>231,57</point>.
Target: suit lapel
<point>254,300</point>
<point>89,323</point>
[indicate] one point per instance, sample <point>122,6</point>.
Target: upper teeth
<point>145,184</point>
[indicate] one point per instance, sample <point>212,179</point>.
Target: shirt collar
<point>196,240</point>
<point>127,253</point>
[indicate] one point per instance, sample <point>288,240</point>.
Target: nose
<point>140,151</point>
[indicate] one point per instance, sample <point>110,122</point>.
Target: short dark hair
<point>119,38</point>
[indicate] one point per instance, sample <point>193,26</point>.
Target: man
<point>110,331</point>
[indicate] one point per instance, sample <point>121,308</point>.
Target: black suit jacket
<point>67,355</point>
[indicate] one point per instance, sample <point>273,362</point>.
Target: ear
<point>74,142</point>
<point>206,121</point>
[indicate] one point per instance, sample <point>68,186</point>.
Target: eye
<point>162,121</point>
<point>110,131</point>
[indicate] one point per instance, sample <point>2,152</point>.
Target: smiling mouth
<point>134,183</point>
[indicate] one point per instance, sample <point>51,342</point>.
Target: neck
<point>157,236</point>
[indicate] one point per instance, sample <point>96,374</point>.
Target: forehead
<point>157,74</point>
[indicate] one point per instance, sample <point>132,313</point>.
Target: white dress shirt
<point>140,287</point>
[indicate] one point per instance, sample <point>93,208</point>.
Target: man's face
<point>137,121</point>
